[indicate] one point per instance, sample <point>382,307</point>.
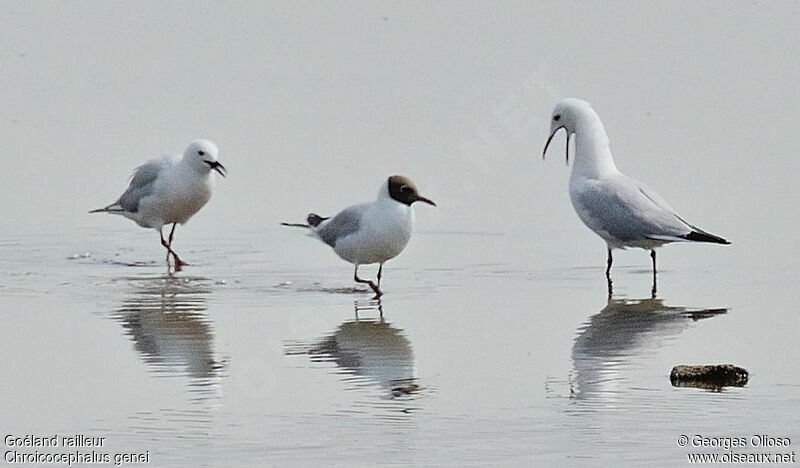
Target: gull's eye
<point>404,188</point>
<point>201,153</point>
<point>557,117</point>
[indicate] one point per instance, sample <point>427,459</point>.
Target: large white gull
<point>620,209</point>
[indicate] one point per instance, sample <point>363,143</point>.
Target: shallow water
<point>470,363</point>
<point>496,342</point>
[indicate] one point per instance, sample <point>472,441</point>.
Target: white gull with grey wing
<point>621,210</point>
<point>170,190</point>
<point>372,232</point>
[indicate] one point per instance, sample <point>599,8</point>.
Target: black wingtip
<point>108,209</point>
<point>701,236</point>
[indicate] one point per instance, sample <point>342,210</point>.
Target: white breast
<point>176,198</point>
<point>384,232</point>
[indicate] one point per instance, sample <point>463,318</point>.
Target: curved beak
<point>550,138</point>
<point>425,200</point>
<point>217,166</point>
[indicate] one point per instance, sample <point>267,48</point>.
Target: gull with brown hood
<point>372,232</point>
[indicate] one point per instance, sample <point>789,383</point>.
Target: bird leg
<point>172,234</point>
<point>380,274</point>
<point>653,257</point>
<point>372,285</point>
<point>166,246</point>
<point>179,264</point>
<point>609,261</point>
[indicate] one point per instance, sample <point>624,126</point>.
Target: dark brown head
<point>403,190</point>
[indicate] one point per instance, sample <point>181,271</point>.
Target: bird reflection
<point>653,287</point>
<point>370,351</point>
<point>166,319</point>
<point>611,341</point>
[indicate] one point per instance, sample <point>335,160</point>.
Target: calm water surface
<point>489,363</point>
<point>496,342</point>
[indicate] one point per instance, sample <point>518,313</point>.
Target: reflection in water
<point>369,352</point>
<point>609,343</point>
<point>165,317</point>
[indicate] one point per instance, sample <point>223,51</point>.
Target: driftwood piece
<point>712,377</point>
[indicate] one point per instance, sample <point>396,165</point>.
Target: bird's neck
<point>385,198</point>
<point>383,192</point>
<point>389,203</point>
<point>194,168</point>
<point>592,152</point>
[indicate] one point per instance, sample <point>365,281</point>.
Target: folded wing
<point>342,225</point>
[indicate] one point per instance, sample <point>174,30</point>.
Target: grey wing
<point>629,211</point>
<point>141,184</point>
<point>343,224</point>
